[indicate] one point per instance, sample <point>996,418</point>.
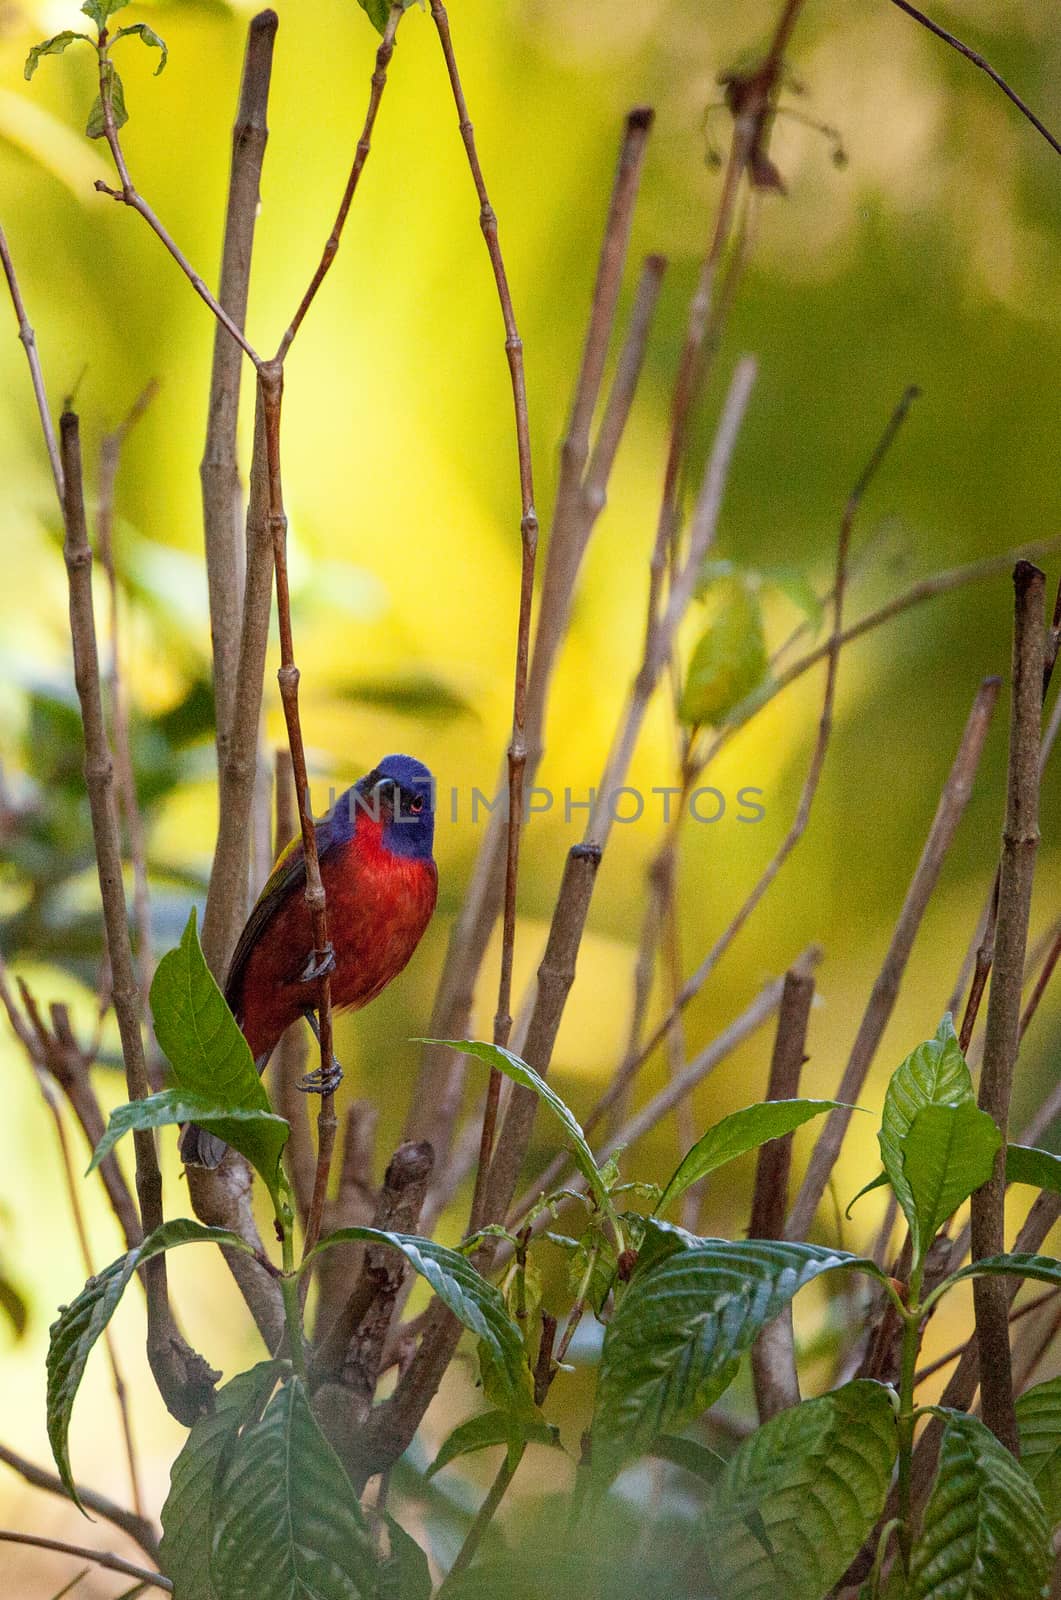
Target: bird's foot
<point>321,1082</point>
<point>315,969</point>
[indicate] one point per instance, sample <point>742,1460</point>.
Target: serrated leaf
<point>798,591</point>
<point>149,37</point>
<point>933,1074</point>
<point>798,1498</point>
<point>257,1134</point>
<point>203,1044</point>
<point>684,1319</point>
<point>187,1516</point>
<point>488,1429</point>
<point>406,1573</point>
<point>984,1534</point>
<point>100,10</point>
<point>516,1069</point>
<point>948,1151</point>
<point>1039,1421</point>
<point>96,126</point>
<point>79,1325</point>
<point>730,660</point>
<point>51,47</point>
<point>474,1302</point>
<point>1040,1168</point>
<point>738,1133</point>
<point>287,1524</point>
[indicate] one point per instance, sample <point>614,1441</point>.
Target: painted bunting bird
<point>381,882</point>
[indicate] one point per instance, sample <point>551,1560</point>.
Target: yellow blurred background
<point>931,257</point>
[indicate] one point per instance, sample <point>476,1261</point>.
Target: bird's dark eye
<point>416,804</point>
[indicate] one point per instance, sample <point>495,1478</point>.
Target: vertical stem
<point>1020,842</point>
<point>907,1378</point>
<point>517,751</point>
<point>271,383</point>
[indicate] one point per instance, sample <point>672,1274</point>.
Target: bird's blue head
<point>401,792</point>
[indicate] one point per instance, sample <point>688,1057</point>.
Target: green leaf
<point>685,1317</point>
<point>879,1182</point>
<point>1039,1420</point>
<point>730,661</point>
<point>739,1132</point>
<point>51,47</point>
<point>96,126</point>
<point>984,1534</point>
<point>100,10</point>
<point>798,591</point>
<point>1043,1269</point>
<point>690,1455</point>
<point>406,1573</point>
<point>800,1495</point>
<point>1040,1168</point>
<point>80,1324</point>
<point>208,1053</point>
<point>473,1301</point>
<point>150,38</point>
<point>521,1073</point>
<point>187,1516</point>
<point>287,1524</point>
<point>948,1152</point>
<point>933,1074</point>
<point>488,1429</point>
<point>257,1134</point>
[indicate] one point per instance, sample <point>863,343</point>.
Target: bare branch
<point>435,1103</point>
<point>949,812</point>
<point>101,1558</point>
<point>183,1377</point>
<point>218,470</point>
<point>1020,842</point>
<point>364,144</point>
<point>136,1526</point>
<point>985,66</point>
<point>29,341</point>
<point>354,1206</point>
<point>774,1353</point>
<point>517,750</point>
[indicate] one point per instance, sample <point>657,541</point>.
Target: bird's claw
<point>315,969</point>
<point>321,1082</point>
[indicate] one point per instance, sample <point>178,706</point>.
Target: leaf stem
<point>912,1316</point>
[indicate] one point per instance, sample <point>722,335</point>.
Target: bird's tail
<point>199,1148</point>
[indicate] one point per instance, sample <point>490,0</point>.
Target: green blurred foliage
<point>931,257</point>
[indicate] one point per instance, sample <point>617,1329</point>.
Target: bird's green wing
<point>288,877</point>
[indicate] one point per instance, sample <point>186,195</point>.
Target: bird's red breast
<point>379,903</point>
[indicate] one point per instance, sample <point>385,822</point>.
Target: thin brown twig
<point>773,1358</point>
<point>379,80</point>
<point>29,341</point>
<point>930,1368</point>
<point>949,812</point>
<point>101,1558</point>
<point>219,470</point>
<point>109,459</point>
<point>184,1379</point>
<point>517,751</point>
<point>435,1103</point>
<point>138,1527</point>
<point>753,1017</point>
<point>1020,840</point>
<point>696,981</point>
<point>128,195</point>
<point>985,66</point>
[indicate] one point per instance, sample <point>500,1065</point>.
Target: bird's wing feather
<point>287,877</point>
